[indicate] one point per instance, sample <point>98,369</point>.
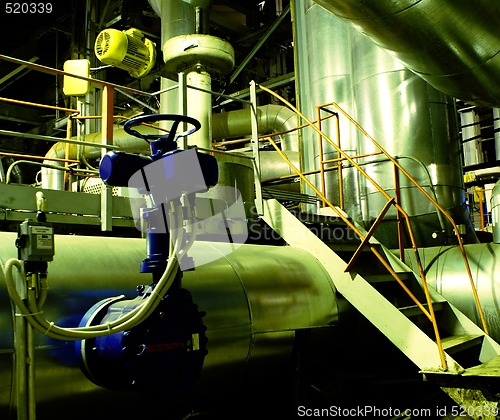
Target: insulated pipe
<point>270,119</point>
<point>471,137</point>
<point>444,271</point>
<point>186,49</point>
<point>452,44</point>
<point>54,179</point>
<point>252,313</point>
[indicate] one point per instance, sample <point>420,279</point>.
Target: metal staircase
<point>472,358</point>
<point>448,347</point>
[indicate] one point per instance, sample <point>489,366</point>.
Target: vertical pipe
<point>107,138</point>
<point>200,106</point>
<point>471,137</point>
<point>256,154</point>
<point>496,128</point>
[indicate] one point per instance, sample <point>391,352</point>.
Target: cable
<point>35,317</point>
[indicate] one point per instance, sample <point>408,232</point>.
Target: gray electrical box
<point>35,241</point>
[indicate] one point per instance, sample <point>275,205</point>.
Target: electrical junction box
<point>73,86</point>
<point>35,241</point>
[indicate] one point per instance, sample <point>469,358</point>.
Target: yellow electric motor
<point>129,50</point>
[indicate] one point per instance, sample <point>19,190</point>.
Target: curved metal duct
<point>444,270</point>
<point>270,119</point>
<point>452,44</point>
<point>252,313</point>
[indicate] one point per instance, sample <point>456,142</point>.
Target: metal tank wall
<point>409,118</point>
<point>452,44</point>
<point>252,312</point>
<point>323,74</point>
<point>417,125</point>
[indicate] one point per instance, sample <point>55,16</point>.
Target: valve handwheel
<point>171,136</point>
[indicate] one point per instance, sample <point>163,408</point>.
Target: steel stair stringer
<point>397,327</point>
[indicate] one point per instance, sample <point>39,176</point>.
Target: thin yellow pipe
<point>36,105</point>
<point>37,157</point>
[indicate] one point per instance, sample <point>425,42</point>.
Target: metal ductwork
<point>271,119</point>
<point>451,44</point>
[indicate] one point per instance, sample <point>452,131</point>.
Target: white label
<point>41,230</point>
<point>44,241</point>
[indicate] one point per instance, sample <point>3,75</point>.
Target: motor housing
<point>129,50</point>
<point>165,352</point>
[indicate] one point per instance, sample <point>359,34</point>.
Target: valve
<point>165,352</point>
<point>165,177</point>
<point>116,168</point>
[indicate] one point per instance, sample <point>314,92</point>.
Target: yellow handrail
<point>430,314</point>
<point>434,202</point>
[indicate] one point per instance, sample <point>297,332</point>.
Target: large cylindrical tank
<point>452,44</point>
<point>322,48</point>
<point>255,300</point>
<point>417,125</point>
<point>413,121</point>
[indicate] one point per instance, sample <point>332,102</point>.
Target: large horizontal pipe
<point>444,268</point>
<point>452,44</point>
<point>254,298</point>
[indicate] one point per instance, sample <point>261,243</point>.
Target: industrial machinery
<point>312,258</point>
<point>128,50</point>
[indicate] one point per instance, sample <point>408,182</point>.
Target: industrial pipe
<point>451,44</point>
<point>444,270</point>
<point>271,118</point>
<point>251,310</point>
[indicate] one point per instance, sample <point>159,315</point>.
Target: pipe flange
<point>185,51</point>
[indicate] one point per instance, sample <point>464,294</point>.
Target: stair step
<point>414,310</point>
<point>488,369</point>
<point>456,343</point>
<point>385,277</point>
